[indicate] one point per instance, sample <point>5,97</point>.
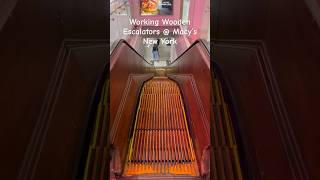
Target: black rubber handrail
<point>126,43</point>
<point>199,41</point>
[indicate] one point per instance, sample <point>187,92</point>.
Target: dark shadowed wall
<point>290,38</point>
<point>30,42</point>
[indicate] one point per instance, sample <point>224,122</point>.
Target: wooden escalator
<point>161,143</point>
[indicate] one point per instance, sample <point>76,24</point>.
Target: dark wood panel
<point>257,120</point>
<point>30,43</point>
<point>28,54</point>
<point>58,135</point>
<point>192,71</point>
<point>234,19</point>
<point>196,61</point>
<point>291,36</point>
<point>124,61</point>
<point>293,44</point>
<point>68,120</point>
<point>122,125</point>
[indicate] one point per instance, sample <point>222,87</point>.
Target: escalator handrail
<point>125,42</point>
<point>204,45</point>
<point>198,41</point>
<point>113,46</point>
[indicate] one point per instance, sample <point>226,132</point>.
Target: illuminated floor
<point>161,143</point>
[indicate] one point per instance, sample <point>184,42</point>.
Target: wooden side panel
<point>124,61</point>
<point>291,36</point>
